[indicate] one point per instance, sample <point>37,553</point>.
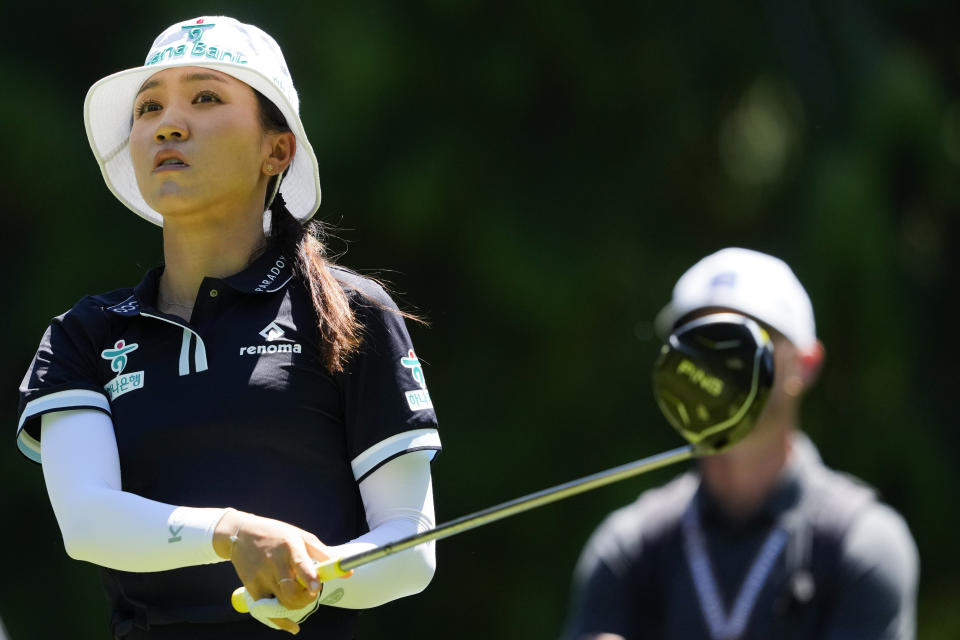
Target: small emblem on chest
<point>123,382</point>
<point>271,332</point>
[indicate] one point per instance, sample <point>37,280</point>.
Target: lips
<point>169,160</point>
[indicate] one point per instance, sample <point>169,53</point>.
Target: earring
<point>269,169</point>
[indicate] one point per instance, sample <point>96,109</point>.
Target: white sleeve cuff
<point>200,523</point>
<point>58,401</point>
<point>385,450</point>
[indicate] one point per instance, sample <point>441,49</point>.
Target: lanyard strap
<point>721,626</point>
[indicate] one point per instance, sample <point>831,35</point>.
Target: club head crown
<point>712,379</point>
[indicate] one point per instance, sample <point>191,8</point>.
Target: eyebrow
<point>193,77</point>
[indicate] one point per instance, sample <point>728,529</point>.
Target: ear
<point>811,360</point>
<point>283,146</point>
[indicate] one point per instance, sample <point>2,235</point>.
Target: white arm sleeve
<point>398,499</point>
<point>104,525</point>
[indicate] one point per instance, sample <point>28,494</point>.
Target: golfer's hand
<point>272,559</point>
<point>276,616</point>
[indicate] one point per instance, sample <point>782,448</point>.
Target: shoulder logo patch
<point>123,382</point>
<point>418,400</point>
<point>118,355</point>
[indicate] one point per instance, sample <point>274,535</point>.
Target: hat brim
<point>107,115</point>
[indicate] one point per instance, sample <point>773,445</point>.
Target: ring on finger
<point>282,580</point>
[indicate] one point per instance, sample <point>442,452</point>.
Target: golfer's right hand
<point>271,559</point>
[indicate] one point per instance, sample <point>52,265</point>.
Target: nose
<point>171,129</point>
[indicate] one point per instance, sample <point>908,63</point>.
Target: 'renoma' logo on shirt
<point>273,334</point>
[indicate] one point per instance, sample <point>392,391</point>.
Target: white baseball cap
<point>753,283</point>
<point>213,42</point>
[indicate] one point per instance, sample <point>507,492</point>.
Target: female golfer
<point>285,417</point>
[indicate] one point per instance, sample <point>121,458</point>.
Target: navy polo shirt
<point>234,408</point>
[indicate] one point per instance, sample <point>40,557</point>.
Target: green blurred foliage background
<point>533,177</point>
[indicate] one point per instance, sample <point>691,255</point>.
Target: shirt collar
<point>269,272</point>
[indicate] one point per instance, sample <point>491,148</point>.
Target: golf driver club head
<point>712,379</point>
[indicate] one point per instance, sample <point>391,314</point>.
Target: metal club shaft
<point>521,504</point>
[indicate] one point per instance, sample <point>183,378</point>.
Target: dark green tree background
<point>533,177</point>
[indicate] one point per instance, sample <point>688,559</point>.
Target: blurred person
<point>285,418</point>
<point>763,540</point>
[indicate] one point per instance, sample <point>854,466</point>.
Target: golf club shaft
<point>513,507</point>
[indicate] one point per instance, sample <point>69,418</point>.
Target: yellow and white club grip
<point>326,571</point>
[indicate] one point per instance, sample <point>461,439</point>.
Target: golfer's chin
<point>177,202</point>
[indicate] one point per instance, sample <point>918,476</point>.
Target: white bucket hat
<point>214,42</point>
<point>750,282</point>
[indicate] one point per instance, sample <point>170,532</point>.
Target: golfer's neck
<point>741,479</point>
<point>195,251</point>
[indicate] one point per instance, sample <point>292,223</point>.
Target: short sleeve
<point>388,409</point>
<point>62,376</point>
<point>878,583</point>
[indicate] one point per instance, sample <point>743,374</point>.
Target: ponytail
<point>340,331</point>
